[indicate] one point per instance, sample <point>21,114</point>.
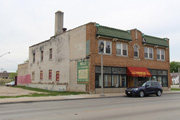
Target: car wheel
<point>128,95</point>
<point>141,94</point>
<point>159,93</point>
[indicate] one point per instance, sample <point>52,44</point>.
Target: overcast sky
<point>26,22</point>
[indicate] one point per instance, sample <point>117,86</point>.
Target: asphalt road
<point>166,107</point>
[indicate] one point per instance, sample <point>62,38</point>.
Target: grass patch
<point>50,92</point>
<point>43,93</point>
<point>175,89</point>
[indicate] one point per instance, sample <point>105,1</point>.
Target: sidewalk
<point>69,97</point>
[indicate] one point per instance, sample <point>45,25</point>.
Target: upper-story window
<point>160,54</point>
<point>136,51</point>
<point>41,55</point>
<point>107,46</point>
<point>148,52</point>
<point>34,57</point>
<point>50,53</point>
<point>121,49</point>
<point>50,74</point>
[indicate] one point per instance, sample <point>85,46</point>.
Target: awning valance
<point>138,72</point>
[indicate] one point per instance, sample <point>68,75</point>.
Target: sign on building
<point>83,72</point>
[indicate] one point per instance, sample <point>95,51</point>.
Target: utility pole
<point>179,75</point>
<point>102,51</point>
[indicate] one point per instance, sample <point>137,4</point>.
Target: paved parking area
<point>11,91</point>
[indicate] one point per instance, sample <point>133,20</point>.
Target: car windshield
<point>12,82</point>
<point>144,84</point>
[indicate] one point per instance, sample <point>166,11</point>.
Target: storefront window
<point>165,81</point>
<point>160,79</point>
<point>154,78</point>
<point>99,80</point>
<point>118,70</point>
<point>123,81</point>
<point>162,72</point>
<point>115,80</point>
<point>114,77</point>
<point>107,80</point>
<point>153,72</point>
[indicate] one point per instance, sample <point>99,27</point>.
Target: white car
<point>10,83</point>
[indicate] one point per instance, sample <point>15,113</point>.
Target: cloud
<point>24,23</point>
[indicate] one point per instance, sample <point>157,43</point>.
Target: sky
<point>24,23</point>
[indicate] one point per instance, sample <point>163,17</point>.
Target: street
<point>166,107</point>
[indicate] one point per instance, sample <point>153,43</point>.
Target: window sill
<point>137,58</point>
<point>149,58</point>
<point>122,55</point>
<point>105,54</point>
<point>160,60</point>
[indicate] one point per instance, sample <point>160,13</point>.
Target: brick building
<point>4,75</point>
<point>70,60</point>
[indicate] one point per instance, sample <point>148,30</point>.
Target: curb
<point>65,99</point>
<point>68,99</point>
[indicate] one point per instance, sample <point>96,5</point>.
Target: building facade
<point>175,78</point>
<point>4,75</point>
<point>70,60</point>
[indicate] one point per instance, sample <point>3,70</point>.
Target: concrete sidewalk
<point>69,97</point>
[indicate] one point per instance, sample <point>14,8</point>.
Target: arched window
<point>136,51</point>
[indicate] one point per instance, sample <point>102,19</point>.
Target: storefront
<point>114,77</point>
<point>122,77</point>
<point>137,76</point>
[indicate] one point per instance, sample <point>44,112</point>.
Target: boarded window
<point>57,75</point>
<point>50,74</point>
<point>41,75</point>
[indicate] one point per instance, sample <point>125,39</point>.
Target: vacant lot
<point>11,91</point>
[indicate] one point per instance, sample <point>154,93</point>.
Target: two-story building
<point>70,60</point>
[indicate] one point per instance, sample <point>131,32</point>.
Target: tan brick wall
<point>120,61</point>
<point>23,69</point>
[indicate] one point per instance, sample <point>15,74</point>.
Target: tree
<point>174,66</point>
<point>12,76</point>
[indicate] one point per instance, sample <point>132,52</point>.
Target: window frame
<point>160,54</point>
<point>148,53</point>
<point>136,51</point>
<point>57,76</point>
<point>41,74</point>
<point>105,43</point>
<point>122,49</point>
<point>120,72</point>
<point>50,74</point>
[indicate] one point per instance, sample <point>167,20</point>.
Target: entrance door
<point>135,81</point>
<point>138,81</point>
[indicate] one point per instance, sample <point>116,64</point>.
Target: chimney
<point>58,23</point>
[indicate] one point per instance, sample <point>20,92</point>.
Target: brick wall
<point>120,61</point>
<point>23,74</point>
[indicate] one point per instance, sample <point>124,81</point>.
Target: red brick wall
<point>24,79</point>
<point>119,61</point>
